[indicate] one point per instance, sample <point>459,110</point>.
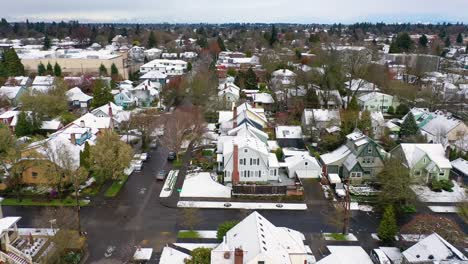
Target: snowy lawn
<point>425,194</point>
<point>202,185</point>
<point>412,237</point>
<point>443,209</point>
<point>169,183</point>
<point>202,233</point>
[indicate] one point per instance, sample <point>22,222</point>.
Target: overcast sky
<point>221,11</point>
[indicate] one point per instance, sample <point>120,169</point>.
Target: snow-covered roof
<point>10,92</point>
<point>288,132</point>
<point>17,81</point>
<point>263,98</point>
<point>273,161</point>
<point>154,75</point>
<point>51,124</point>
<point>433,248</point>
<point>361,85</point>
<point>43,80</point>
<point>321,115</point>
<point>289,152</point>
<point>415,152</point>
<point>283,73</point>
<point>257,236</point>
<point>173,256</point>
<point>102,54</point>
<point>247,142</point>
<point>75,94</point>
<point>93,121</point>
<point>228,88</point>
<point>346,255</point>
<point>441,124</point>
<point>246,130</point>
<point>461,165</point>
<point>202,185</point>
<point>143,254</point>
<point>8,222</point>
<point>336,155</point>
<point>372,96</point>
<point>294,160</point>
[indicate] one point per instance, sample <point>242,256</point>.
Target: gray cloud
<point>220,11</point>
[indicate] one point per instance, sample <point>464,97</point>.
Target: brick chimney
<point>73,138</point>
<point>238,256</point>
<point>234,117</point>
<point>235,165</point>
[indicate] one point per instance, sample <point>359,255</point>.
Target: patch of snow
<point>173,256</point>
<point>425,194</point>
<point>348,237</point>
<point>204,233</point>
<point>365,208</point>
<point>241,205</point>
<point>375,236</point>
<point>443,209</point>
<point>168,187</point>
<point>412,237</point>
<point>203,185</point>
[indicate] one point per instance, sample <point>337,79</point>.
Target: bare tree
<point>146,122</point>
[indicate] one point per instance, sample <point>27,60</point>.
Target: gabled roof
<point>246,129</point>
<point>336,155</point>
<point>256,236</point>
<point>93,121</point>
<point>435,152</point>
<point>321,115</point>
<point>372,95</point>
<point>288,132</point>
<point>433,248</point>
<point>346,255</point>
<point>10,92</point>
<point>441,124</point>
<point>294,160</point>
<point>75,94</point>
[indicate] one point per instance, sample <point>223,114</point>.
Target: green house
<point>426,162</point>
<point>359,159</point>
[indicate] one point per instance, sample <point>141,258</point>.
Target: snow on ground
<point>202,185</point>
<point>375,236</point>
<point>239,205</point>
<point>443,209</point>
<point>169,183</point>
<point>192,246</point>
<point>355,206</point>
<point>412,237</point>
<point>204,233</point>
<point>349,237</point>
<point>426,195</point>
<point>173,256</point>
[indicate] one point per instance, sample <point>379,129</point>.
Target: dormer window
<point>369,150</point>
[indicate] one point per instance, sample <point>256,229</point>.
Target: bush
<point>388,227</point>
<point>409,209</point>
<point>224,228</point>
<point>438,186</point>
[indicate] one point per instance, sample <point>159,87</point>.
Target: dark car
<point>171,155</point>
<point>161,175</point>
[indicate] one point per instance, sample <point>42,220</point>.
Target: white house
<point>320,118</point>
<point>376,101</point>
<point>433,249</point>
<point>346,255</point>
<point>256,240</point>
<point>169,67</point>
<point>228,92</point>
<point>283,78</point>
<point>43,83</point>
<point>360,86</point>
<point>153,53</point>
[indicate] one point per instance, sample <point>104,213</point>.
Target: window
<point>306,163</point>
<point>259,173</point>
<point>258,161</point>
<point>250,161</point>
<point>441,173</point>
<point>245,151</point>
<point>369,149</point>
<point>241,161</point>
<point>34,174</point>
<point>356,174</point>
<point>417,173</point>
<point>261,262</point>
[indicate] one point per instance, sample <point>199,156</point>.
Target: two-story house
<point>425,162</point>
<point>359,159</point>
<point>376,101</point>
<point>78,99</point>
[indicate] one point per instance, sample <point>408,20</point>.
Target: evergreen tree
<point>251,79</point>
<point>189,66</point>
<point>391,110</point>
<point>460,38</point>
<point>409,127</point>
<point>49,69</point>
<point>312,100</point>
<point>403,42</point>
<point>102,70</point>
<point>46,43</point>
<point>152,40</point>
<point>273,36</point>
<point>353,104</point>
<point>12,65</point>
<point>221,45</point>
<point>423,41</point>
<point>84,156</point>
<point>402,109</point>
<point>23,125</point>
<point>101,94</point>
<point>41,70</point>
<point>114,72</point>
<point>388,227</point>
<point>447,42</point>
<point>57,70</point>
<point>365,123</point>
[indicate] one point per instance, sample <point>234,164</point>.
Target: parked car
<point>379,257</point>
<point>144,156</point>
<point>340,189</point>
<point>137,164</point>
<point>171,156</point>
<point>161,176</point>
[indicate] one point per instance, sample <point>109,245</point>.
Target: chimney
<point>73,138</point>
<point>225,85</point>
<point>235,164</point>
<point>238,256</point>
<point>234,117</point>
<point>82,123</point>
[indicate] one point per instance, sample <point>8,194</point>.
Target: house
<point>264,100</point>
<point>460,167</point>
<point>444,128</point>
<point>78,99</point>
<point>360,86</point>
<point>21,245</point>
<point>146,92</point>
<point>302,166</point>
<point>152,53</point>
<point>188,55</point>
<point>125,99</point>
<point>319,119</point>
<point>359,159</point>
<point>376,101</point>
<point>154,76</point>
<point>240,114</point>
<point>282,78</point>
<point>425,162</point>
<point>10,118</point>
<point>117,113</point>
<point>43,83</point>
<point>136,53</point>
<point>433,249</point>
<point>256,240</point>
<point>346,255</point>
<point>329,99</point>
<point>169,67</point>
<point>228,93</point>
<point>23,81</point>
<point>289,136</point>
<point>378,124</point>
<point>12,93</point>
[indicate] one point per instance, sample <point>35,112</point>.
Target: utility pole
<point>346,207</point>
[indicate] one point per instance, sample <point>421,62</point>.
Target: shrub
<point>223,228</point>
<point>409,209</point>
<point>436,186</point>
<point>447,185</point>
<point>388,227</point>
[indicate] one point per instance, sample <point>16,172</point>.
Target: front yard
<point>425,194</point>
<point>114,189</point>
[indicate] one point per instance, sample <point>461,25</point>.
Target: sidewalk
<point>239,205</point>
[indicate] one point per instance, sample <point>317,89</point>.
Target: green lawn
<point>177,163</point>
<point>114,189</point>
<point>188,234</point>
<point>30,202</point>
<point>91,191</point>
<point>337,236</point>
